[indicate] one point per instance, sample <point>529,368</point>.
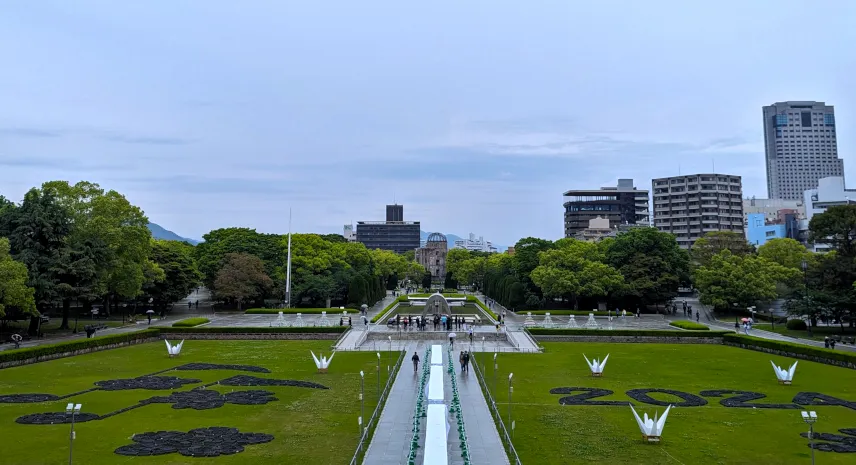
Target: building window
<point>781,120</point>
<point>829,119</point>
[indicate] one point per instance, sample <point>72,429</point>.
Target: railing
<point>368,429</point>
<point>497,417</point>
<point>341,338</point>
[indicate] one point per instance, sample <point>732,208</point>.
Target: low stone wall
<point>45,358</point>
<point>811,358</point>
<point>631,339</point>
<point>252,336</point>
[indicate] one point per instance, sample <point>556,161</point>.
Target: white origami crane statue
<point>323,363</point>
<point>652,428</point>
<point>596,366</point>
<point>174,350</point>
<point>784,377</point>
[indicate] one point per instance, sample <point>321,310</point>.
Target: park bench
<point>849,340</point>
<point>45,319</point>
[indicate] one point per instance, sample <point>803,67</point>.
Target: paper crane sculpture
<point>596,366</point>
<point>784,376</point>
<point>652,428</point>
<point>323,363</point>
<point>174,350</point>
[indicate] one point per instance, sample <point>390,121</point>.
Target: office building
<point>829,193</point>
<point>759,229</point>
<point>801,147</point>
<point>623,204</point>
<point>395,212</point>
<point>693,205</point>
<point>475,244</point>
<point>397,236</point>
<point>771,208</point>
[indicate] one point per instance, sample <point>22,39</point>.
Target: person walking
<point>452,339</point>
<point>467,361</point>
<point>461,361</point>
<point>471,335</point>
<point>415,360</point>
<point>696,316</point>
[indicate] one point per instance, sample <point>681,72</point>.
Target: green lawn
<point>310,426</point>
<point>550,433</point>
<point>818,332</point>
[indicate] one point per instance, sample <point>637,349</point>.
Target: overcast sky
<point>476,115</point>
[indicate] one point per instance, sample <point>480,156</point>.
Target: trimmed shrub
<point>691,325</point>
<point>190,322</point>
<point>818,352</point>
<point>79,344</point>
<point>481,305</point>
<point>293,311</point>
<point>797,325</point>
<point>254,330</point>
<point>625,332</point>
<point>376,318</point>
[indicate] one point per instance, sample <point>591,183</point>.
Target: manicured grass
<point>190,322</point>
<point>818,332</point>
<point>310,426</point>
<point>691,325</point>
<point>549,433</point>
<point>294,311</point>
<point>455,295</point>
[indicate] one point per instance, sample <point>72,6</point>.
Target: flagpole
<point>288,266</point>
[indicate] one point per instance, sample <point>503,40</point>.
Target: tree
<point>571,271</point>
<point>334,238</point>
<point>426,280</point>
<point>785,251</point>
<point>7,212</point>
<point>715,242</point>
<point>836,227</point>
<point>241,277</point>
<point>178,275</point>
<point>269,248</point>
<point>14,292</point>
<point>77,270</point>
<point>357,291</point>
<point>39,228</point>
<point>730,279</point>
<point>652,263</point>
<point>450,282</point>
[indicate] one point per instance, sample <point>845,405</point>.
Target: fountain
<point>591,323</point>
<point>280,320</point>
<point>299,320</point>
<point>324,321</point>
<point>529,321</point>
<point>572,322</point>
<point>548,322</point>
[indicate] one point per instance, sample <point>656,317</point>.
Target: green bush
<point>190,322</point>
<point>625,332</point>
<point>819,352</point>
<point>78,344</point>
<point>691,325</point>
<point>453,295</point>
<point>797,325</point>
<point>376,318</point>
<point>293,311</point>
<point>254,330</point>
<point>481,305</point>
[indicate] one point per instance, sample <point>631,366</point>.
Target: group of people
<point>342,321</point>
<point>463,359</point>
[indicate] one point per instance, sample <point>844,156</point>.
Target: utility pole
<point>288,266</point>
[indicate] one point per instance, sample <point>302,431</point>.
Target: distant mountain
<point>159,232</point>
<point>451,238</point>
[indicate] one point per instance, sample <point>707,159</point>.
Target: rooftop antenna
<point>679,169</point>
<point>713,165</point>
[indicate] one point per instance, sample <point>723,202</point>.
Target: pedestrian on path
<point>467,361</point>
<point>415,359</point>
<point>471,335</point>
<point>452,339</point>
<point>461,361</point>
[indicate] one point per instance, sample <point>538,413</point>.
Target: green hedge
<point>684,324</point>
<point>401,298</point>
<point>455,295</point>
<point>190,322</point>
<point>789,347</point>
<point>625,332</point>
<point>254,330</point>
<point>481,305</point>
<point>78,344</point>
<point>797,325</point>
<point>295,311</point>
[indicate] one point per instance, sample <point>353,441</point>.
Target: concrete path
<point>390,444</point>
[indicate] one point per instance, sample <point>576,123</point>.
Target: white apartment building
<point>801,147</point>
<point>349,233</point>
<point>475,244</point>
<point>830,192</point>
<point>693,205</point>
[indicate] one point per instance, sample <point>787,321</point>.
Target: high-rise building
<point>801,147</point>
<point>475,244</point>
<point>691,206</point>
<point>395,212</point>
<point>620,205</point>
<point>398,236</point>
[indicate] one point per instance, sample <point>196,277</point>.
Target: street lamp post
<point>810,418</point>
<point>378,377</point>
<point>510,390</point>
<point>388,370</point>
<point>71,409</point>
<point>362,396</point>
<point>495,366</point>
